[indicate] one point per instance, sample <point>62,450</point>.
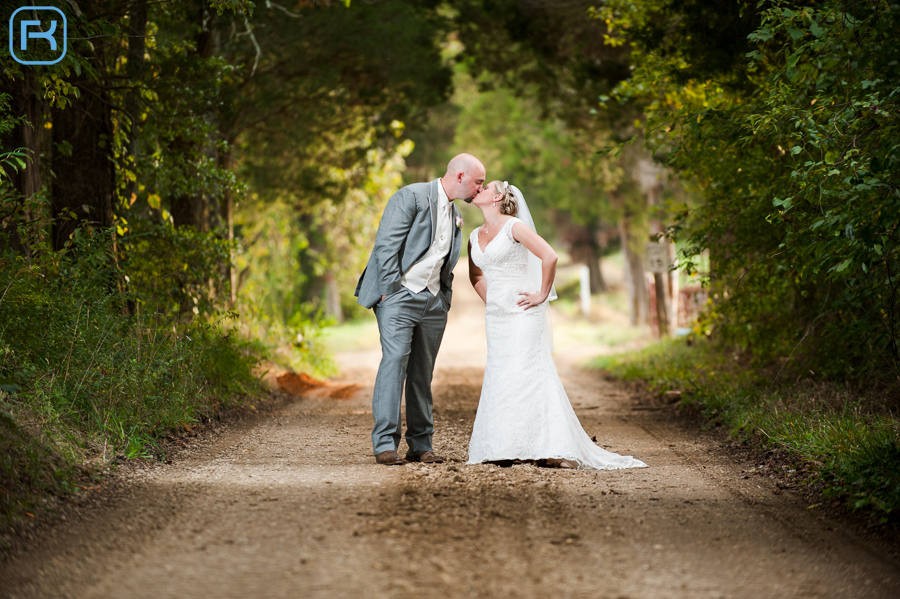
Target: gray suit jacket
<point>404,236</point>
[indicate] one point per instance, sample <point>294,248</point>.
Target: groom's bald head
<point>464,178</point>
<point>463,163</point>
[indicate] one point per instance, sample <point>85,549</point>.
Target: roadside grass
<point>83,383</point>
<point>605,326</point>
<point>849,440</point>
<point>300,346</point>
<point>361,333</point>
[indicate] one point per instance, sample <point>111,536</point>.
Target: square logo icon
<point>38,35</point>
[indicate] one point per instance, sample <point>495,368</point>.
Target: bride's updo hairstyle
<point>508,204</point>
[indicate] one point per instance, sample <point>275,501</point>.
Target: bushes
<point>85,379</point>
<point>850,441</point>
<point>781,115</point>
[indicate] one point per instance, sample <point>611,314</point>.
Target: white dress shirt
<point>426,273</point>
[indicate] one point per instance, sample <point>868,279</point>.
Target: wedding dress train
<point>524,412</point>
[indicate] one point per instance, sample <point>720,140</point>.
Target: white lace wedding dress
<point>524,412</point>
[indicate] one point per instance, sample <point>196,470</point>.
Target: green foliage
<point>853,450</point>
<point>175,271</point>
<point>287,119</point>
<point>319,139</point>
<point>244,7</point>
<point>291,256</point>
<point>573,191</point>
<point>834,79</point>
<point>549,50</point>
<point>12,160</point>
<point>84,380</point>
<point>794,150</point>
<point>356,78</point>
<point>550,62</point>
<point>538,155</point>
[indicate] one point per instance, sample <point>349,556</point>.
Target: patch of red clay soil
<point>298,383</point>
<point>301,384</point>
<point>344,391</point>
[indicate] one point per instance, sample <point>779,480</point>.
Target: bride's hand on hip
<point>531,300</point>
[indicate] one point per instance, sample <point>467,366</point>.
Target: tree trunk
<point>592,259</point>
<point>25,102</point>
<point>192,208</point>
<point>226,211</point>
<point>85,183</point>
<point>662,312</point>
<point>584,247</point>
<point>673,288</point>
<point>136,29</point>
<point>639,300</point>
<point>651,179</point>
<point>333,298</point>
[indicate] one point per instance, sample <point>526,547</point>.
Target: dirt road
<point>291,504</point>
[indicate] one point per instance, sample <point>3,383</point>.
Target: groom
<point>407,282</point>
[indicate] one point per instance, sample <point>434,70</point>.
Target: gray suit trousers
<point>411,326</point>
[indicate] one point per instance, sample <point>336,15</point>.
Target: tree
<point>83,188</point>
<point>162,113</point>
<point>792,147</point>
<point>555,53</point>
<point>319,102</point>
<point>25,102</point>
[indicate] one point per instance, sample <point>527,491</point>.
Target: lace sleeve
<point>509,227</point>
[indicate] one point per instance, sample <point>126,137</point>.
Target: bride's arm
<point>540,248</point>
<point>476,277</point>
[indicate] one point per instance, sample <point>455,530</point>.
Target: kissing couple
<point>524,412</point>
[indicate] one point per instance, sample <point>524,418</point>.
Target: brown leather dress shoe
<point>388,458</point>
<point>426,457</point>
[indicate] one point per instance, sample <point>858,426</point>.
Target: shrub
<point>84,378</point>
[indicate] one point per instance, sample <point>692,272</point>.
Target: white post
<point>585,290</point>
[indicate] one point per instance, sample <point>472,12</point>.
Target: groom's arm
<point>393,230</point>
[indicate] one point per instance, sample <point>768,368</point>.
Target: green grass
<point>851,444</point>
<point>300,346</point>
<point>350,336</point>
<point>83,381</point>
<point>608,333</point>
<point>608,325</point>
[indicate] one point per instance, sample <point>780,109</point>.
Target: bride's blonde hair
<point>508,203</point>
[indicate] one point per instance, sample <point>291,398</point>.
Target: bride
<point>524,412</point>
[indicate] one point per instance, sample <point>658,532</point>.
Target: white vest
<point>426,273</point>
